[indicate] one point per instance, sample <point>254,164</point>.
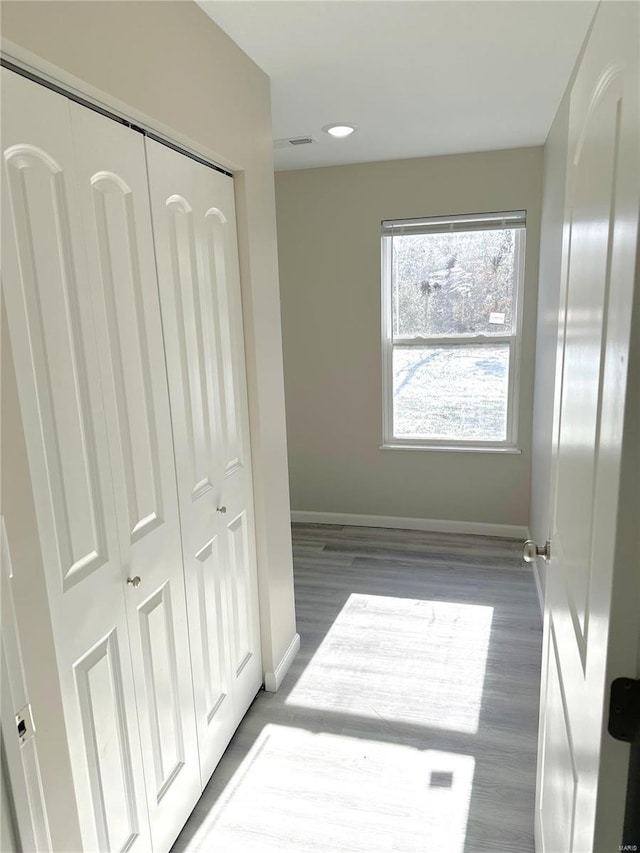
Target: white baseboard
<point>273,680</point>
<point>435,525</point>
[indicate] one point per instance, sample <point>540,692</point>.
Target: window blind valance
<point>466,222</point>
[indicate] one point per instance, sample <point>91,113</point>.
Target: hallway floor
<point>408,721</point>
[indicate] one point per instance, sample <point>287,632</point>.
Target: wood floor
<point>407,723</point>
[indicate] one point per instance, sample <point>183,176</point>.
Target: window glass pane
<point>451,392</point>
<point>457,283</point>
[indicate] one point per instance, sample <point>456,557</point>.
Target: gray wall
<point>329,252</point>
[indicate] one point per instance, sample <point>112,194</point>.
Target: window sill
<point>455,448</point>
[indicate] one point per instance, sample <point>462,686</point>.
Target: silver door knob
<point>530,551</point>
<point>134,582</point>
<point>221,509</point>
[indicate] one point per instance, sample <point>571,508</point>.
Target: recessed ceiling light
<point>340,130</point>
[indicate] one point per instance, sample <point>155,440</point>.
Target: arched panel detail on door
<point>118,253</point>
<point>50,297</point>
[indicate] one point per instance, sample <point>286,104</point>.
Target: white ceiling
<point>418,77</point>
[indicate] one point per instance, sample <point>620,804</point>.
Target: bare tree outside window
<point>451,329</point>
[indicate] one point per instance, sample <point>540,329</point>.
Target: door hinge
<point>624,709</point>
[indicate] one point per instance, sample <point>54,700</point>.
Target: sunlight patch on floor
<point>402,660</point>
<point>297,790</point>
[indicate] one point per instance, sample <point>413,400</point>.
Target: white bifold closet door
<point>142,487</point>
<point>114,198</point>
<point>196,249</point>
<point>48,300</point>
<point>81,296</point>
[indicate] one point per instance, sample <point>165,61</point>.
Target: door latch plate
<point>24,725</point>
<point>624,709</point>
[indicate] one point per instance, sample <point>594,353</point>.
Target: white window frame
<point>468,222</point>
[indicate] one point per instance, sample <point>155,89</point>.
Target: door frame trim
<point>273,680</point>
<point>20,761</point>
<point>92,104</point>
<point>24,62</point>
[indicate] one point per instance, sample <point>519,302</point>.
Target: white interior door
<point>196,248</point>
<point>112,181</point>
<point>54,344</point>
<point>600,245</point>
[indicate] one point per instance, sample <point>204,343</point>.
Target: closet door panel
<point>56,316</point>
<point>220,253</point>
<point>100,694</point>
<point>212,596</point>
<point>118,258</point>
<point>241,591</point>
<point>186,217</point>
<point>117,220</point>
<point>53,338</point>
<point>161,681</point>
<point>194,344</point>
<point>217,228</point>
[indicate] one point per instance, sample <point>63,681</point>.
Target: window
<point>451,315</point>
